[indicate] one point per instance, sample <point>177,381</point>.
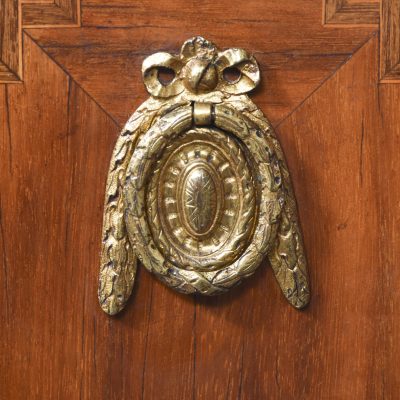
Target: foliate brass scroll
<point>198,189</point>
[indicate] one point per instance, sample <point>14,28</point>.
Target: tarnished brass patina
<point>198,189</point>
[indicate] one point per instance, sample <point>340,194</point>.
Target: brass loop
<point>202,113</point>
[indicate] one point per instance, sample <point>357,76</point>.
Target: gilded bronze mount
<point>198,189</point>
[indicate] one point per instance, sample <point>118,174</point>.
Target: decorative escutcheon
<point>198,189</point>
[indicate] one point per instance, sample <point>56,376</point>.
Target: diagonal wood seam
<point>72,79</point>
<point>10,72</point>
<point>374,34</point>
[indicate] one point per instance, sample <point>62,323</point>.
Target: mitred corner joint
<point>17,15</point>
<point>384,13</point>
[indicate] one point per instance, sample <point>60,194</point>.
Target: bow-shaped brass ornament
<point>198,189</point>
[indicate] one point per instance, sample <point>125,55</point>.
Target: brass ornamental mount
<point>198,188</point>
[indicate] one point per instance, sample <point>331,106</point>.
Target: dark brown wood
<point>340,131</point>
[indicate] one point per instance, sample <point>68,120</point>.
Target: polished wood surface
<point>340,131</point>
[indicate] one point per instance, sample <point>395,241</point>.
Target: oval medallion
<point>200,200</point>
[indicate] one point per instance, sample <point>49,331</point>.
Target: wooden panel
<point>55,145</point>
<point>248,344</point>
<point>351,12</point>
<point>390,41</point>
<point>10,41</point>
<point>44,13</point>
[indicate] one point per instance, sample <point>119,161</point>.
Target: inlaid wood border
<point>16,14</point>
<point>346,12</point>
<point>10,41</point>
<point>390,41</point>
<point>386,13</point>
<point>57,13</point>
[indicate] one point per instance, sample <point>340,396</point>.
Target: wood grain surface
<point>340,131</point>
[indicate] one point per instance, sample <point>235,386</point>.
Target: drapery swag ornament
<point>198,189</point>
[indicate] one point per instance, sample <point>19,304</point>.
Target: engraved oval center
<point>200,200</point>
